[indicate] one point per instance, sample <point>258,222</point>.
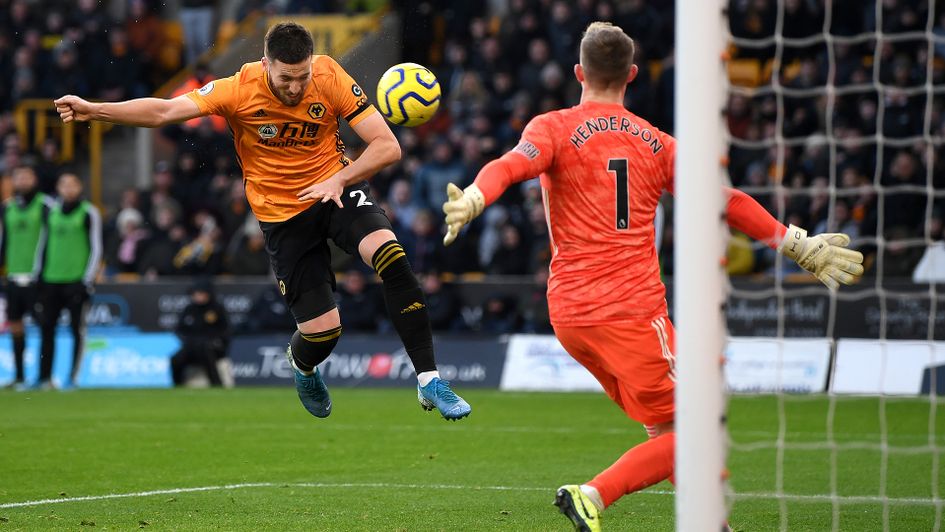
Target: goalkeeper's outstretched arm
<point>826,255</point>
<point>142,112</point>
<point>464,205</point>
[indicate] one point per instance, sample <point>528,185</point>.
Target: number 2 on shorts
<point>362,198</point>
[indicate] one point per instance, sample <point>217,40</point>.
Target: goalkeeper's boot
<point>577,507</point>
<point>312,390</point>
<point>438,394</point>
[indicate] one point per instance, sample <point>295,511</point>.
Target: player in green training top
<point>22,237</point>
<point>70,264</point>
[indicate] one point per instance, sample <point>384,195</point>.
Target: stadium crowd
<point>499,63</point>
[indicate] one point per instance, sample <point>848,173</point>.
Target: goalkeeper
<point>602,171</point>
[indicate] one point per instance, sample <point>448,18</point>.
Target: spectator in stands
<point>164,191</point>
<point>189,176</point>
<point>472,153</point>
<point>488,59</point>
<point>147,40</point>
<point>123,253</point>
<point>931,267</point>
<point>65,75</point>
<point>904,209</point>
<point>203,253</point>
<point>510,258</point>
<point>899,256</point>
<point>269,313</point>
<point>801,19</point>
<point>423,242</point>
<point>19,17</point>
<point>400,202</point>
<point>233,208</point>
<point>564,31</point>
<point>196,17</point>
<point>48,168</point>
<point>360,305</point>
<point>468,97</point>
<point>490,233</point>
<point>499,316</point>
<point>645,23</point>
<point>538,239</point>
<point>24,78</point>
<point>204,333</point>
<point>430,180</point>
<point>246,254</point>
<point>848,59</point>
<point>529,74</point>
<point>158,252</point>
<point>536,319</point>
<point>450,74</point>
<point>740,257</point>
<point>443,305</point>
<point>841,223</point>
<point>121,77</point>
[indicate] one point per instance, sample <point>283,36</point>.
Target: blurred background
<point>857,158</point>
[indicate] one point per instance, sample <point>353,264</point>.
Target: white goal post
<point>700,239</point>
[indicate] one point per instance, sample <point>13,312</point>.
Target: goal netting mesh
<point>836,123</point>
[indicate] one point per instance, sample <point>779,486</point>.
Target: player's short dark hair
<point>289,43</point>
<point>606,54</point>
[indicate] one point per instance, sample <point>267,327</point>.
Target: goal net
<point>835,121</point>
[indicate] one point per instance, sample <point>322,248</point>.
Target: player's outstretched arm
<point>825,255</point>
<point>465,205</point>
<point>142,112</point>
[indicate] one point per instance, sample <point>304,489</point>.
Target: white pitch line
<point>843,499</point>
<point>173,491</point>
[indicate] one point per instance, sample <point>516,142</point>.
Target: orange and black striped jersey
<point>282,149</point>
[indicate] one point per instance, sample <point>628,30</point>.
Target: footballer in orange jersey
<point>602,171</point>
<point>284,112</point>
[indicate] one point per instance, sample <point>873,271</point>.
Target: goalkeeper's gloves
<point>461,208</point>
<point>825,255</point>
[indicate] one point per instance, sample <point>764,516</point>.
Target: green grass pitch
<point>381,463</point>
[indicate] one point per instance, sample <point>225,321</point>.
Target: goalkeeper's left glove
<point>461,208</point>
<point>825,255</point>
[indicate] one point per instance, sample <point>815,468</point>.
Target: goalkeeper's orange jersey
<point>603,170</point>
<point>284,149</point>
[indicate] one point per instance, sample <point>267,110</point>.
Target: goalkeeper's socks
<point>640,467</point>
<point>593,495</point>
<point>310,350</point>
<point>406,305</point>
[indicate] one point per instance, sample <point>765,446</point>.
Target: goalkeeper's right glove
<point>461,208</point>
<point>825,255</point>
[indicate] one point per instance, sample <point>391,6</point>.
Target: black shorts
<point>298,247</point>
<point>56,297</point>
<point>20,300</point>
